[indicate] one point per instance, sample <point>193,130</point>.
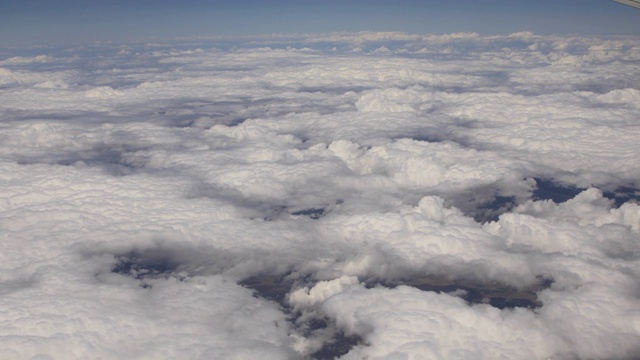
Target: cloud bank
<point>348,195</point>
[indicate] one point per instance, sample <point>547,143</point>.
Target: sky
<point>40,22</point>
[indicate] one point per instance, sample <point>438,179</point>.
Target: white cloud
<point>313,196</point>
<point>409,323</point>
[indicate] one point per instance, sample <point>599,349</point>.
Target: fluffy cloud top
<point>368,195</point>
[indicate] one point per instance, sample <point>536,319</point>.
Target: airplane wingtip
<point>634,3</point>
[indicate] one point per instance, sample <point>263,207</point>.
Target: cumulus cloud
<point>350,195</point>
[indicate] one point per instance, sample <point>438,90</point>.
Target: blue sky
<point>30,22</point>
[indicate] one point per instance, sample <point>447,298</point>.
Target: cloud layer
<point>368,195</point>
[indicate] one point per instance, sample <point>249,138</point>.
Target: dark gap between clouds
<point>487,203</point>
<point>277,287</point>
<point>482,203</point>
<point>111,157</point>
<point>149,265</point>
<point>262,209</point>
<point>494,294</point>
<point>164,262</point>
<point>549,189</point>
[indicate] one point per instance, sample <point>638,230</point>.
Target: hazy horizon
<point>72,21</point>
